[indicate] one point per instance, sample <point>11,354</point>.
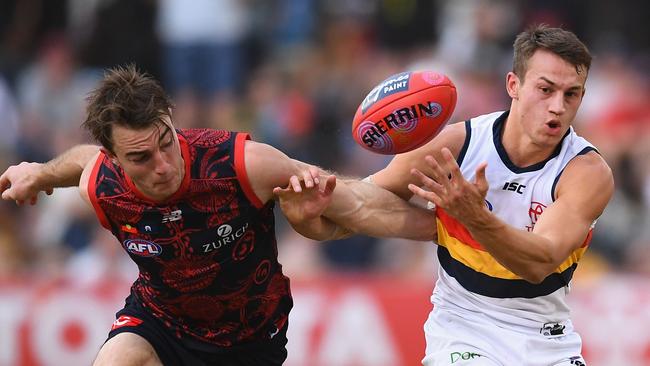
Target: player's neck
<point>519,146</point>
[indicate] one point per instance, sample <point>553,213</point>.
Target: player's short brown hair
<point>557,40</point>
<point>125,97</point>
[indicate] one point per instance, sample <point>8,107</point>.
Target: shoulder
<point>265,168</point>
<point>207,137</point>
<point>260,157</point>
<point>589,167</point>
<point>588,181</point>
<point>89,174</point>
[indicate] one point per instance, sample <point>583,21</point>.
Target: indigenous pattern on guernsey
<point>517,195</point>
<point>208,256</point>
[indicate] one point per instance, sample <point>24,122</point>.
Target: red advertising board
<point>336,321</point>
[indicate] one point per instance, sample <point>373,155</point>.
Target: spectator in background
<point>116,32</point>
<point>203,60</point>
<point>23,25</point>
<point>51,93</point>
<point>8,123</point>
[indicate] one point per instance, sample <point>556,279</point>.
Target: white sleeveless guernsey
<point>470,279</point>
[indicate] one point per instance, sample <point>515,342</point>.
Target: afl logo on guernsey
<point>143,248</point>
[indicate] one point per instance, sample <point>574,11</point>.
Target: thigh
<point>454,341</point>
<point>133,322</point>
<point>272,352</point>
<point>127,349</point>
<point>573,361</point>
<point>557,351</point>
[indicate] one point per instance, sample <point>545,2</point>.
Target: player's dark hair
<point>125,97</point>
<point>559,41</point>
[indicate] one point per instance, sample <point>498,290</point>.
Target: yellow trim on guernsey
<point>484,262</point>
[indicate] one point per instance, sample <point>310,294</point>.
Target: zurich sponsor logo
<point>142,247</point>
<point>227,235</point>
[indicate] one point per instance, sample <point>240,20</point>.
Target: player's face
<point>151,157</point>
<point>547,100</point>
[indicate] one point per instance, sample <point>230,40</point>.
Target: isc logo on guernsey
<point>142,247</point>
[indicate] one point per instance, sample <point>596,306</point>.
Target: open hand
<point>449,190</point>
<point>305,203</point>
<point>20,183</point>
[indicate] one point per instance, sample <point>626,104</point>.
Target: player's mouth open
<point>554,126</point>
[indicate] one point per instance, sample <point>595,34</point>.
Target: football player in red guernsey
<point>194,209</point>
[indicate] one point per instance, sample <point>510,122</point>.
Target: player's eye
<point>140,159</point>
<point>167,144</point>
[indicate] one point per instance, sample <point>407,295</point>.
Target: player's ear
<point>512,85</point>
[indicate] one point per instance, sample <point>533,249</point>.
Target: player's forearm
<point>65,170</point>
<point>368,209</point>
<point>526,254</point>
<point>320,229</point>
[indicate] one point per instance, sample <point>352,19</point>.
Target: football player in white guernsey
<point>516,195</point>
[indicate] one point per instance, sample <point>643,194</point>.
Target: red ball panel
<point>404,112</point>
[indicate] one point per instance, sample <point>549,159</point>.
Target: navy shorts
<point>133,318</point>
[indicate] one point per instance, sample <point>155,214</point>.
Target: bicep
<point>267,168</point>
<point>584,189</point>
<point>86,174</point>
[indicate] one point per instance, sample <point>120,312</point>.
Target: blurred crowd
<point>292,73</point>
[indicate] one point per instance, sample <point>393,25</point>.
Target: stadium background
<point>292,72</point>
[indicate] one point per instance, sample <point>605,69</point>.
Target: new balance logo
<point>172,216</point>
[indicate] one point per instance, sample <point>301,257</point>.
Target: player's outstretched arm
<point>357,206</point>
<point>380,207</point>
<point>336,210</point>
<point>23,182</point>
<point>304,209</point>
<point>366,208</point>
<point>582,193</point>
<point>269,169</point>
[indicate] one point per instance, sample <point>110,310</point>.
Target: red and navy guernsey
<point>208,255</point>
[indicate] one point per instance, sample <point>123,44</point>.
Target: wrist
<point>482,220</point>
<point>44,176</point>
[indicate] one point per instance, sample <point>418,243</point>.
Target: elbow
<point>421,228</point>
<point>538,274</point>
<point>426,234</point>
<point>534,278</point>
<point>543,266</point>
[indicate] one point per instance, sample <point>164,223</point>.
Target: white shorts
<point>473,339</point>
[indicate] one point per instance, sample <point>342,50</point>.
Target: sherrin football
<point>404,112</point>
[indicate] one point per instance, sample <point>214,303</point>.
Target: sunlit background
<point>292,73</point>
